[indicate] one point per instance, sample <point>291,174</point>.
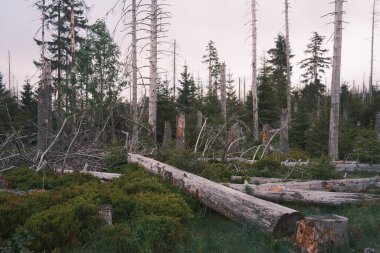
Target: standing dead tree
<point>254,72</point>
<point>372,48</point>
<point>134,73</point>
<point>223,91</point>
<point>335,81</point>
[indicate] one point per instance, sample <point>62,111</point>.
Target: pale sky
<point>195,22</point>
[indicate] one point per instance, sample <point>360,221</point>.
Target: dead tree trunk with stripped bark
<point>153,68</point>
<point>254,73</point>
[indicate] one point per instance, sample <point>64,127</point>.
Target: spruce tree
<point>187,93</point>
<point>166,108</point>
<point>211,58</point>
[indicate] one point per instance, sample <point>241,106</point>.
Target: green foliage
<point>366,148</point>
<point>63,225</point>
<point>217,172</point>
<point>23,179</point>
<point>184,160</point>
<point>116,156</point>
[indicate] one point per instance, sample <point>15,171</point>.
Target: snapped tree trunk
<point>233,143</point>
<point>240,207</point>
<point>180,131</point>
<point>255,108</point>
<point>335,81</point>
<point>153,68</point>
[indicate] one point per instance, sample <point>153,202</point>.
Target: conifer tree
<point>187,92</point>
<point>211,58</point>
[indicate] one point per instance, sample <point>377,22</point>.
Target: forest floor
<point>149,216</point>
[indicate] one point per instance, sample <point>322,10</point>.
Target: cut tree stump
<point>180,133</point>
<point>168,140</point>
<point>240,207</point>
<point>322,234</point>
<point>276,192</point>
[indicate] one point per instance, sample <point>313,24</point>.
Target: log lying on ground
<point>240,207</point>
<point>228,159</point>
<point>343,185</point>
<point>101,175</point>
<point>281,194</point>
<point>357,167</point>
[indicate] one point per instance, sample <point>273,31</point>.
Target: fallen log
<point>360,185</point>
<point>357,167</point>
<point>275,192</point>
<point>240,207</point>
<point>101,175</point>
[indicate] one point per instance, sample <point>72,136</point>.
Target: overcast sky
<point>195,22</point>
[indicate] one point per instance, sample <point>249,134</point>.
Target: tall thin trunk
<point>223,93</point>
<point>244,97</point>
<point>59,77</point>
<point>335,82</point>
<point>174,67</point>
<point>239,89</point>
<point>372,48</point>
<point>285,131</point>
<point>72,65</point>
<point>9,70</point>
<point>44,109</point>
<point>254,73</point>
<point>134,72</point>
<point>209,76</point>
<point>153,69</point>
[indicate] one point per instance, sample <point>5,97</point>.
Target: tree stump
<point>167,142</point>
<point>322,234</point>
<point>105,213</point>
<point>180,133</point>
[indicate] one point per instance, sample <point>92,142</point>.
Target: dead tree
<point>153,67</point>
<point>134,73</point>
<point>254,73</point>
<point>223,92</point>
<point>372,48</point>
<point>378,126</point>
<point>335,81</point>
<point>44,93</point>
<point>285,121</point>
<point>174,67</point>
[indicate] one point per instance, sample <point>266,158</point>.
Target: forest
<point>109,154</point>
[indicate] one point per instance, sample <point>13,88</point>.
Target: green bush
<point>62,226</point>
<point>366,147</point>
<point>216,172</point>
<point>116,157</point>
<point>24,179</point>
<point>183,160</point>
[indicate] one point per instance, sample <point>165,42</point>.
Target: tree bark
<point>255,108</point>
<point>153,69</point>
<point>223,92</point>
<point>281,193</point>
<point>240,207</point>
<point>174,67</point>
<point>284,133</point>
<point>44,109</point>
<point>335,82</point>
<point>322,234</point>
<point>372,49</point>
<point>378,126</point>
<point>180,131</point>
<point>134,75</point>
<point>357,167</point>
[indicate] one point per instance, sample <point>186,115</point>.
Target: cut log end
<point>320,234</point>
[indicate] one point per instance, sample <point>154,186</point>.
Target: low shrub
<point>216,172</point>
<point>116,157</point>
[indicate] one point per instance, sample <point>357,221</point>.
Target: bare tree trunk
<point>167,142</point>
<point>134,75</point>
<point>72,66</point>
<point>254,73</point>
<point>284,136</point>
<point>174,67</point>
<point>223,92</point>
<point>285,131</point>
<point>44,110</point>
<point>378,126</point>
<point>335,82</point>
<point>372,48</point>
<point>239,89</point>
<point>199,120</point>
<point>9,70</point>
<point>153,69</point>
<point>180,131</point>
